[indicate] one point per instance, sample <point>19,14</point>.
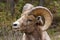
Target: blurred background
<point>10,11</point>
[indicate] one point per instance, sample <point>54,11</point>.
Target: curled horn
<point>27,7</point>
<point>39,10</point>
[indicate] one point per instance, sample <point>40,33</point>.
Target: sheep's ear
<point>39,21</point>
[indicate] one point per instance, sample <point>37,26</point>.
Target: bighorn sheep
<point>34,22</point>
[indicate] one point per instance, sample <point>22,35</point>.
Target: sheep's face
<point>25,23</point>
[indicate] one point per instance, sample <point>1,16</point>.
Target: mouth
<point>15,29</point>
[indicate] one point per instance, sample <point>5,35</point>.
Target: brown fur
<point>29,24</point>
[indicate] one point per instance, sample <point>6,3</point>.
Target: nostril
<point>14,24</point>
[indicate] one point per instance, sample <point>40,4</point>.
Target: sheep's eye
<point>29,20</point>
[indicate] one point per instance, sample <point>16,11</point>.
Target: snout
<point>15,25</point>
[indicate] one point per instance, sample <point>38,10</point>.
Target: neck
<point>35,35</point>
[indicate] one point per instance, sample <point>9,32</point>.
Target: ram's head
<point>33,18</point>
